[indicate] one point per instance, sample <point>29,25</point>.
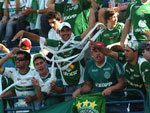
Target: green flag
<point>33,16</point>
<point>147,110</point>
<point>64,107</point>
<point>89,103</point>
<point>1,106</point>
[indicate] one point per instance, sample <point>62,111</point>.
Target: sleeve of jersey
<point>119,70</point>
<point>53,43</point>
<point>9,72</point>
<point>145,70</point>
<point>86,73</point>
<point>121,57</point>
<point>60,7</point>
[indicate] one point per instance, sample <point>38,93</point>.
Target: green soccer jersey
<point>110,36</point>
<point>73,75</point>
<point>140,19</point>
<point>136,75</point>
<point>77,15</point>
<point>105,76</point>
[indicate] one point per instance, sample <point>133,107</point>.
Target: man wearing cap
<point>45,75</point>
<point>104,74</point>
<point>73,75</point>
<point>137,69</point>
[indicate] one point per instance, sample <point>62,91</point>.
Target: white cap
<point>64,24</point>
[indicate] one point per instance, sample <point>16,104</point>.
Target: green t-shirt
<point>110,36</point>
<point>140,19</point>
<point>105,76</point>
<point>77,15</point>
<point>129,6</point>
<point>136,75</point>
<point>73,75</point>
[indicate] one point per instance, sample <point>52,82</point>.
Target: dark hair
<point>53,15</point>
<point>27,55</point>
<point>109,12</point>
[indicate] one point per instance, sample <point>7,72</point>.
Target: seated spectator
<point>72,75</point>
<point>112,34</point>
<point>31,15</point>
<point>136,67</point>
<point>54,19</point>
<point>45,75</point>
<point>104,74</point>
<point>78,14</point>
<point>22,73</point>
<point>12,11</point>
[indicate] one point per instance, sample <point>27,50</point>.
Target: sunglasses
<point>20,59</point>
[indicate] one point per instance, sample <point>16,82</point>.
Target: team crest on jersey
<point>142,23</point>
<point>107,75</point>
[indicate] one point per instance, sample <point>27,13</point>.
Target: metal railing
<point>32,108</point>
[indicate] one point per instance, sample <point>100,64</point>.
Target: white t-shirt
<point>52,34</point>
<point>25,87</point>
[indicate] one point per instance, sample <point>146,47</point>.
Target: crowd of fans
<point>117,59</point>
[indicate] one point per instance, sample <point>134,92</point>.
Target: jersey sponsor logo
<point>70,17</point>
<point>73,73</point>
<point>134,85</point>
<point>94,70</point>
<point>107,75</point>
<point>103,84</point>
<point>142,30</point>
<point>75,7</point>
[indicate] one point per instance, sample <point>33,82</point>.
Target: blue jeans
<point>9,29</point>
<point>116,108</point>
<point>2,30</point>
